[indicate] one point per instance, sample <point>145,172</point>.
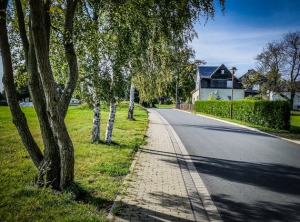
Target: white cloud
<point>238,48</point>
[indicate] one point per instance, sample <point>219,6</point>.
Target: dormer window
<point>222,71</point>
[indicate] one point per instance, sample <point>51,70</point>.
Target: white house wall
<point>238,94</point>
<point>197,79</point>
<point>296,103</point>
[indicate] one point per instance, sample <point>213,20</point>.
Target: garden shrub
<point>272,114</point>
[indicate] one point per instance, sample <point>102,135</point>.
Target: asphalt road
<point>250,176</point>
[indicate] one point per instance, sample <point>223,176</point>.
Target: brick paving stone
<point>156,181</point>
<point>157,188</point>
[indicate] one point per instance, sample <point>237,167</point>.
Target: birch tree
<point>136,27</point>
<point>144,36</point>
<point>131,101</point>
<point>90,51</point>
<point>117,83</point>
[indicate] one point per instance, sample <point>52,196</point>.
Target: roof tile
<point>206,71</point>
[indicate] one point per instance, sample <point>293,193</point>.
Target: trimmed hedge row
<point>272,114</point>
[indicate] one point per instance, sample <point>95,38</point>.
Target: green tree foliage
<point>187,75</point>
<point>99,42</point>
<point>252,78</point>
<point>211,96</point>
<point>158,39</point>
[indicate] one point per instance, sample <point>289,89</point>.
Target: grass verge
<point>164,106</point>
<point>99,168</point>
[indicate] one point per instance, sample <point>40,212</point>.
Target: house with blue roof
<point>216,80</point>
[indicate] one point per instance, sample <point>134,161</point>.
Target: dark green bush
<point>272,114</point>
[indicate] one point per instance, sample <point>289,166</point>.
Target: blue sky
<point>237,36</point>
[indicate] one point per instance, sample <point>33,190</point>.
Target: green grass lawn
<point>295,122</point>
<point>164,106</point>
<point>99,168</point>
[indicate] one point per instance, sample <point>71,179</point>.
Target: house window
<point>255,87</point>
<point>229,84</point>
<point>222,71</point>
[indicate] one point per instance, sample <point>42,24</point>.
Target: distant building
<point>247,78</point>
<point>276,96</point>
<point>216,80</point>
<point>74,102</point>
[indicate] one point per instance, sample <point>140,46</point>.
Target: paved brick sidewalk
<point>156,190</point>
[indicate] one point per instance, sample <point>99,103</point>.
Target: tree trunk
<point>56,109</point>
<point>131,102</point>
<point>293,92</point>
<point>96,124</point>
<point>18,116</point>
<point>110,123</point>
<point>50,166</point>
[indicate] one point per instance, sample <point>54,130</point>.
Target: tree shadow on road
<point>259,211</point>
<point>274,177</point>
<point>233,129</point>
<point>271,177</point>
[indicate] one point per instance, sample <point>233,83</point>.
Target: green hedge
<point>272,114</point>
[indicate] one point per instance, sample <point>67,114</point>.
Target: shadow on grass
<point>81,194</point>
<point>133,119</point>
<point>133,145</point>
<point>295,129</point>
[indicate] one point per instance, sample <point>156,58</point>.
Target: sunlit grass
<point>164,106</point>
<point>99,168</point>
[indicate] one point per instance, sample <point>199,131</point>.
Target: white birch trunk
<point>131,102</point>
<point>96,124</point>
<point>110,123</point>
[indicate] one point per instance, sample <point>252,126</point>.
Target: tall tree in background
<point>279,63</point>
<point>270,64</point>
<point>291,50</point>
<point>187,79</point>
<point>256,81</point>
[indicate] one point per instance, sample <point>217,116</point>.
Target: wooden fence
<point>187,107</point>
